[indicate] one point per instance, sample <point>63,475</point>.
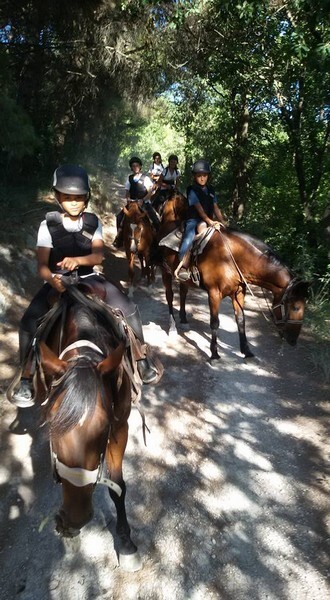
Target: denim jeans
<point>188,236</point>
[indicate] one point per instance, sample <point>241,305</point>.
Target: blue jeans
<point>188,236</point>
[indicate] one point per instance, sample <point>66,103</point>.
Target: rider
<point>67,241</point>
<point>203,206</point>
<point>138,188</point>
<point>156,168</point>
<point>168,180</point>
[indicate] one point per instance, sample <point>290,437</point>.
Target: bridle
<point>282,306</point>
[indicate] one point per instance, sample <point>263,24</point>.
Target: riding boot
<point>148,371</point>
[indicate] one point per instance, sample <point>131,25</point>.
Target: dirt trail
<point>229,499</point>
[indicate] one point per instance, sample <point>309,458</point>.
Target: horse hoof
<point>130,562</point>
<point>248,354</point>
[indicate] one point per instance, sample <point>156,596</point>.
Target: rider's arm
<point>44,270</point>
<point>90,260</point>
<point>150,187</point>
<point>218,214</point>
<point>160,181</point>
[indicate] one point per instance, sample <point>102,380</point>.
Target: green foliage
<point>150,132</point>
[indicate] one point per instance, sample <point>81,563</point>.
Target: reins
<point>244,280</point>
<point>280,305</point>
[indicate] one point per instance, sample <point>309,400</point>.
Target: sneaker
<point>148,373</point>
<point>23,397</point>
<point>183,275</point>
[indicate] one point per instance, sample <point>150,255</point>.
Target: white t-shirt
<point>155,169</point>
<point>168,175</point>
<point>44,239</point>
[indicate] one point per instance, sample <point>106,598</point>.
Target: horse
<point>139,236</point>
<point>85,394</point>
<point>230,262</point>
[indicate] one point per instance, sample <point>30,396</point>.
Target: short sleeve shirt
<point>147,182</point>
<point>44,239</point>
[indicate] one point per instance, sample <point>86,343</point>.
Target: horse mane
<point>81,383</point>
<point>264,248</point>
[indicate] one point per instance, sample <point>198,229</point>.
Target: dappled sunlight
<point>217,498</point>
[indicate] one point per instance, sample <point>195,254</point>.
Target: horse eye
<point>295,308</point>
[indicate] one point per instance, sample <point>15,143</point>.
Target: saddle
<point>91,294</point>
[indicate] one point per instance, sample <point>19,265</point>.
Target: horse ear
<point>112,361</point>
<point>51,364</point>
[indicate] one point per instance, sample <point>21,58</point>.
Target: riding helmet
<point>173,157</point>
<point>201,166</point>
<point>135,159</point>
<point>71,179</point>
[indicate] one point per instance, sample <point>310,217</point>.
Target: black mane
<point>259,244</point>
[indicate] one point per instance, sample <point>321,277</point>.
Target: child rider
<point>67,241</point>
<point>203,207</point>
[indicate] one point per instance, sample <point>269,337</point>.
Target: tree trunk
<point>241,117</point>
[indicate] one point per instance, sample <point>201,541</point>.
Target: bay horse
<point>139,236</point>
<point>85,394</point>
<point>229,262</point>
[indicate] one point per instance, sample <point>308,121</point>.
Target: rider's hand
<point>216,224</point>
<point>70,263</point>
<point>57,284</point>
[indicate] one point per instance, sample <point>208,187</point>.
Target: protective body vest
<point>66,243</point>
<point>137,190</point>
<point>206,199</point>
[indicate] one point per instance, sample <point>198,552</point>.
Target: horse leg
<point>128,555</point>
<point>76,509</point>
<point>130,260</point>
<point>214,297</point>
<point>167,282</point>
<point>183,296</point>
<point>238,303</point>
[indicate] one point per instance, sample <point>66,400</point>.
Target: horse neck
<point>264,272</point>
<point>272,277</point>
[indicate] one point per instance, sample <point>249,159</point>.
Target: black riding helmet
<point>135,159</point>
<point>71,179</point>
<point>201,166</point>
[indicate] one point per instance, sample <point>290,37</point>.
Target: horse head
<point>133,212</point>
<point>79,410</point>
<point>288,310</point>
<point>175,208</point>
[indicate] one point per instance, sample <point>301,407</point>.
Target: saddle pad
<point>201,239</point>
<point>172,240</point>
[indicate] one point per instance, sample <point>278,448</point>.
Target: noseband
<point>283,307</point>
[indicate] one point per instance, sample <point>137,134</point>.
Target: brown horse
<point>229,262</point>
<point>139,235</point>
<point>86,394</point>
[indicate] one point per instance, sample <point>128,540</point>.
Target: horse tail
<point>77,393</point>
